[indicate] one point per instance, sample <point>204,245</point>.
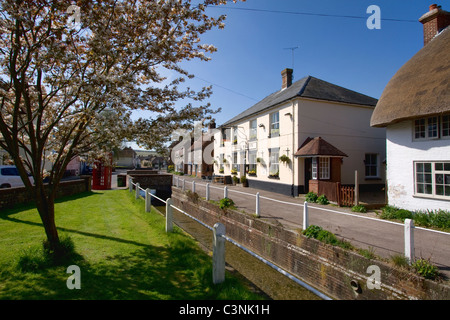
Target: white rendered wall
<point>402,151</point>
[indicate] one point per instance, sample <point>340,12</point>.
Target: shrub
<point>311,197</point>
<point>390,212</point>
<point>312,231</point>
<point>235,179</point>
<point>426,269</point>
<point>226,203</point>
<point>359,208</point>
<point>243,180</point>
<point>322,200</point>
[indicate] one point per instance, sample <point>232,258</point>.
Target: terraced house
<point>309,132</point>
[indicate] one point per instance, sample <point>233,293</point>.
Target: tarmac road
<point>381,237</point>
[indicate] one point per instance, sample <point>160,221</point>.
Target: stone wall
<point>9,197</point>
<point>339,273</point>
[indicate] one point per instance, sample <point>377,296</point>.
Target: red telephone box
<point>102,174</point>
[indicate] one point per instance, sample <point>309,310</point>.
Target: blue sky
<point>251,49</point>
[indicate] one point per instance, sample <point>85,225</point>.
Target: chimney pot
<point>433,6</point>
<point>286,75</point>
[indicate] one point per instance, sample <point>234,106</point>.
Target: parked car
<point>10,178</point>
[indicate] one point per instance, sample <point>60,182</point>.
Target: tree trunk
<point>46,207</point>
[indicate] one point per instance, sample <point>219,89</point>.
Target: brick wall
<point>329,269</point>
<point>9,197</point>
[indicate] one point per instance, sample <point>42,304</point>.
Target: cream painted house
<point>261,142</point>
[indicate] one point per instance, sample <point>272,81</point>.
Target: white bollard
<point>409,240</point>
<point>225,192</point>
<point>130,184</point>
<point>169,215</point>
<point>184,184</point>
<point>137,190</point>
<point>257,205</point>
<point>193,186</point>
<point>207,192</point>
<point>178,181</point>
<point>218,253</point>
<point>148,200</point>
<point>305,216</point>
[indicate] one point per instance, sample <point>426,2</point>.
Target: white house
<point>415,110</point>
<point>262,141</point>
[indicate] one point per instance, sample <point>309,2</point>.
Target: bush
<point>235,179</point>
<point>226,203</point>
<point>322,200</point>
<point>38,258</point>
<point>311,197</point>
<point>312,231</point>
<point>430,218</point>
<point>426,269</point>
<point>359,208</point>
<point>390,212</point>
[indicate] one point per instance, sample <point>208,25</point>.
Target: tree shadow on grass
<point>176,272</point>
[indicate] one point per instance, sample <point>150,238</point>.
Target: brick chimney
<point>434,21</point>
<point>286,75</point>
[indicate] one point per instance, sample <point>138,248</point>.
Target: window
<point>225,136</point>
<point>252,162</point>
<point>445,126</point>
<point>253,130</point>
<point>320,168</point>
<point>10,171</point>
<point>432,128</point>
<point>274,124</point>
<point>235,161</point>
<point>432,179</point>
<point>314,169</point>
<point>324,168</point>
<point>371,165</point>
<point>235,135</point>
<point>274,154</point>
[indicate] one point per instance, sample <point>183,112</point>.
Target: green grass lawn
<point>123,253</point>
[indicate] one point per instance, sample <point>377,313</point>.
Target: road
<point>382,237</point>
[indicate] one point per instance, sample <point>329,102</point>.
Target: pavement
<point>381,237</point>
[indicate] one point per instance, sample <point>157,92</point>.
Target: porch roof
<point>315,147</point>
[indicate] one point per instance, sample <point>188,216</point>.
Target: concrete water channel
<point>265,279</point>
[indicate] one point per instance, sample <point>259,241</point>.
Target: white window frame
<point>434,124</point>
<point>273,124</point>
<point>431,179</point>
<point>324,168</point>
<point>376,165</point>
<point>274,155</point>
<point>314,168</point>
<point>253,132</point>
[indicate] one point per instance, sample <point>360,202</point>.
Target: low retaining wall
<point>339,273</point>
<point>162,183</point>
<point>9,197</point>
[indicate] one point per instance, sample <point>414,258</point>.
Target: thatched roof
<point>318,147</point>
<point>420,88</point>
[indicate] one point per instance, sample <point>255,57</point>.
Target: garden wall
<point>339,273</point>
<point>9,197</point>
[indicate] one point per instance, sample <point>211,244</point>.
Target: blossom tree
<point>70,77</point>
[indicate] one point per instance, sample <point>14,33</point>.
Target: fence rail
<point>219,237</point>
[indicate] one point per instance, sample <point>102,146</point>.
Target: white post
<point>137,190</point>
<point>356,188</point>
<point>169,215</point>
<point>207,192</point>
<point>130,184</point>
<point>409,240</point>
<point>305,216</point>
<point>257,204</point>
<point>193,186</point>
<point>148,200</point>
<point>184,184</point>
<point>218,253</point>
<point>225,192</point>
<point>178,181</point>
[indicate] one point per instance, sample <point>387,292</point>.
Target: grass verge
<point>122,252</point>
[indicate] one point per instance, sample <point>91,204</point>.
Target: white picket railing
<point>219,237</point>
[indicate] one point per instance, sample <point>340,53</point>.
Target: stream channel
<point>266,280</point>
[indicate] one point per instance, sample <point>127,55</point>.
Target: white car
<point>10,178</point>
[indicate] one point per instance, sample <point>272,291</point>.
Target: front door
<point>308,170</point>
